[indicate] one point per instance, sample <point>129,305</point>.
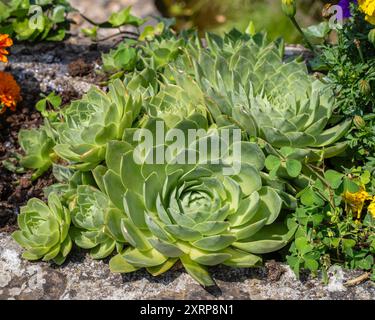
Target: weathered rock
<point>83,278</point>
<point>46,67</point>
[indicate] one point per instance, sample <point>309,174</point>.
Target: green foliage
<point>12,163</point>
<point>317,33</point>
<point>335,225</point>
<point>150,32</point>
<point>350,78</point>
<point>122,59</point>
<point>124,17</point>
<point>38,146</point>
<point>161,52</point>
<point>90,32</point>
<point>362,139</point>
<point>336,215</point>
<point>284,164</point>
<point>350,67</point>
<point>52,101</point>
<point>35,20</point>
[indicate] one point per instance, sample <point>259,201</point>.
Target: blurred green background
<point>223,15</point>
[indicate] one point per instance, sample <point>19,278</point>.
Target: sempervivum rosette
<point>203,214</point>
<point>93,218</point>
<point>88,124</point>
<point>44,230</point>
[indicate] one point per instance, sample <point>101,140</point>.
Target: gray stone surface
<point>83,278</point>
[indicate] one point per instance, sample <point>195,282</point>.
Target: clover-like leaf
<point>124,17</point>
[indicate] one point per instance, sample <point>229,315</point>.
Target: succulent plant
<point>91,122</point>
<point>95,222</point>
<point>201,213</point>
<point>161,52</point>
<point>190,212</point>
<point>68,181</point>
<point>173,104</point>
<point>38,146</point>
<point>244,80</point>
<point>44,230</point>
<point>122,59</point>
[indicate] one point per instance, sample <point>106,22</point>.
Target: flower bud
<point>371,36</point>
<point>365,87</point>
<point>359,122</point>
<point>289,7</point>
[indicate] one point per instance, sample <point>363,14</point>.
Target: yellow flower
<point>371,207</point>
<point>10,92</point>
<point>356,201</point>
<point>368,7</point>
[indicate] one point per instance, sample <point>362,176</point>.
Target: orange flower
<point>5,42</point>
<point>10,92</point>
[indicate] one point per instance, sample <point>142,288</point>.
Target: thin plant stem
<point>89,20</point>
<point>124,33</point>
<point>128,33</point>
<point>309,44</point>
<point>358,45</point>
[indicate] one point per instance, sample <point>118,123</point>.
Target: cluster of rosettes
<point>160,202</point>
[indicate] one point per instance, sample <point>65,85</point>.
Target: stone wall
<point>83,278</point>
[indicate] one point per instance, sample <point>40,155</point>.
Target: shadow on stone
<point>165,278</point>
<point>215,291</point>
<point>76,256</point>
<point>60,53</point>
<point>223,273</point>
